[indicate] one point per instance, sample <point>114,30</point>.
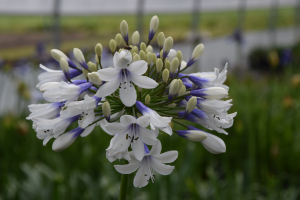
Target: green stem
<point>123,186</point>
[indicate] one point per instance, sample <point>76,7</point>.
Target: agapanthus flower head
<point>145,95</point>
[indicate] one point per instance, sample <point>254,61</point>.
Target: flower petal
<point>138,149</point>
<point>127,120</point>
<point>147,136</point>
<point>108,74</point>
<point>120,142</point>
<point>161,168</point>
<point>103,123</point>
<point>108,88</point>
<point>140,180</point>
<point>88,130</point>
<point>143,121</point>
<point>156,149</point>
<point>115,128</point>
<point>128,94</point>
<point>127,169</point>
<point>167,157</point>
<point>143,81</point>
<point>138,67</point>
<point>122,59</point>
<point>214,144</point>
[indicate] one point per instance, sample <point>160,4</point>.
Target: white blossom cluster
<point>134,101</point>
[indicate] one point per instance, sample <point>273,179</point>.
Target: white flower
<point>152,160</point>
<point>132,131</point>
<point>112,155</point>
<point>45,111</point>
<point>123,76</point>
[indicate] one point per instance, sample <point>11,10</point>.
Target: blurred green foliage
<point>260,162</point>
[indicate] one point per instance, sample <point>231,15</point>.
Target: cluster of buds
<point>134,101</point>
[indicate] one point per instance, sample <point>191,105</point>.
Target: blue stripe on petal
<point>76,132</point>
<point>141,107</point>
<point>84,87</point>
<point>74,72</point>
<point>146,149</point>
<point>151,34</point>
<point>190,62</point>
<point>198,80</point>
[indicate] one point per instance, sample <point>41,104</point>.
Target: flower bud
<point>193,135</point>
<point>147,99</point>
<point>99,49</point>
<point>106,110</point>
<point>210,93</point>
<point>142,55</point>
<point>140,89</point>
<point>191,104</point>
<point>179,56</point>
<point>174,88</point>
<point>174,66</point>
<point>65,140</point>
<point>149,58</point>
<point>136,58</point>
<point>63,63</point>
<point>135,38</point>
<point>57,54</point>
<point>165,75</point>
<point>92,66</point>
<point>85,73</point>
<point>180,83</point>
<point>97,59</point>
<point>161,54</point>
<point>143,46</point>
<point>154,58</point>
<point>159,65</point>
<point>149,48</point>
<point>118,40</point>
<point>124,30</point>
<point>196,54</point>
<point>160,40</point>
<point>112,45</point>
<point>94,78</point>
<point>167,65</point>
<point>167,46</point>
<point>153,27</point>
<point>80,58</point>
<point>135,49</point>
<point>182,90</point>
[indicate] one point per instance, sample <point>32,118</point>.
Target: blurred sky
<point>87,7</point>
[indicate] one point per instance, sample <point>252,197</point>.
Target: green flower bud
<point>57,54</point>
<point>149,48</point>
<point>118,40</point>
<point>98,49</point>
<point>112,45</point>
<point>142,55</point>
<point>140,89</point>
<point>198,52</point>
<point>174,87</point>
<point>136,58</point>
<point>191,104</point>
<point>106,110</point>
<point>174,65</point>
<point>147,99</point>
<point>167,46</point>
<point>143,46</point>
<point>160,39</point>
<point>180,82</point>
<point>149,58</point>
<point>97,59</point>
<point>120,50</point>
<point>159,65</point>
<point>135,49</point>
<point>85,72</point>
<point>135,38</point>
<point>167,65</point>
<point>161,54</point>
<point>92,66</point>
<point>94,78</point>
<point>165,75</point>
<point>124,30</point>
<point>64,65</point>
<point>154,58</point>
<point>182,90</point>
<point>78,55</point>
<point>179,56</point>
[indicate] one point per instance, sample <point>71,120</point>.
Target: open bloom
<point>132,131</point>
<point>153,160</point>
<point>123,76</point>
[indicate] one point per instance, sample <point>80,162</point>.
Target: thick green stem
<point>123,186</point>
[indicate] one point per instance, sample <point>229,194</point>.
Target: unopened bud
<point>179,56</point>
<point>85,73</point>
<point>167,46</point>
<point>135,38</point>
<point>191,104</point>
<point>149,48</point>
<point>94,78</point>
<point>167,65</point>
<point>97,59</point>
<point>193,135</point>
<point>92,66</point>
<point>159,65</point>
<point>174,88</point>
<point>160,39</point>
<point>143,46</point>
<point>99,49</point>
<point>165,75</point>
<point>64,65</point>
<point>149,58</point>
<point>147,99</point>
<point>118,40</point>
<point>180,83</point>
<point>112,45</point>
<point>106,110</point>
<point>135,49</point>
<point>154,58</point>
<point>57,54</point>
<point>78,55</point>
<point>142,55</point>
<point>153,27</point>
<point>174,65</point>
<point>124,30</point>
<point>136,58</point>
<point>196,54</point>
<point>182,90</point>
<point>140,89</point>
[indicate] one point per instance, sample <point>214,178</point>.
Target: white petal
<point>63,142</point>
<point>120,143</point>
<point>35,107</point>
<point>143,81</point>
<point>156,149</point>
<point>46,140</point>
<point>167,130</point>
<point>138,149</point>
<point>183,65</point>
<point>161,168</point>
<point>128,94</point>
<point>214,144</point>
<point>108,88</point>
<point>87,120</point>
<point>140,180</point>
<point>127,120</point>
<point>167,157</point>
<point>122,59</point>
<point>143,121</point>
<point>108,74</point>
<point>103,123</point>
<point>127,169</point>
<point>138,67</point>
<point>115,128</point>
<point>147,136</point>
<point>88,130</point>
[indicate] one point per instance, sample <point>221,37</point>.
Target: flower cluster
<point>135,101</point>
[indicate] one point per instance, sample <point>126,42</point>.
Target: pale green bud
<point>174,87</point>
<point>136,58</point>
<point>174,65</point>
<point>154,58</point>
<point>198,52</point>
<point>140,89</point>
<point>120,50</point>
<point>161,54</point>
<point>97,59</point>
<point>167,65</point>
<point>135,38</point>
<point>165,75</point>
<point>118,39</point>
<point>149,48</point>
<point>149,58</point>
<point>182,90</point>
<point>106,110</point>
<point>160,39</point>
<point>154,24</point>
<point>124,30</point>
<point>94,78</point>
<point>92,66</point>
<point>159,65</point>
<point>191,104</point>
<point>142,55</point>
<point>57,54</point>
<point>179,56</point>
<point>147,99</point>
<point>135,49</point>
<point>180,83</point>
<point>112,45</point>
<point>167,46</point>
<point>143,46</point>
<point>64,65</point>
<point>98,49</point>
<point>133,54</point>
<point>78,55</point>
<point>85,72</point>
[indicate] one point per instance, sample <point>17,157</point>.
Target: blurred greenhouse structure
<point>259,39</point>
